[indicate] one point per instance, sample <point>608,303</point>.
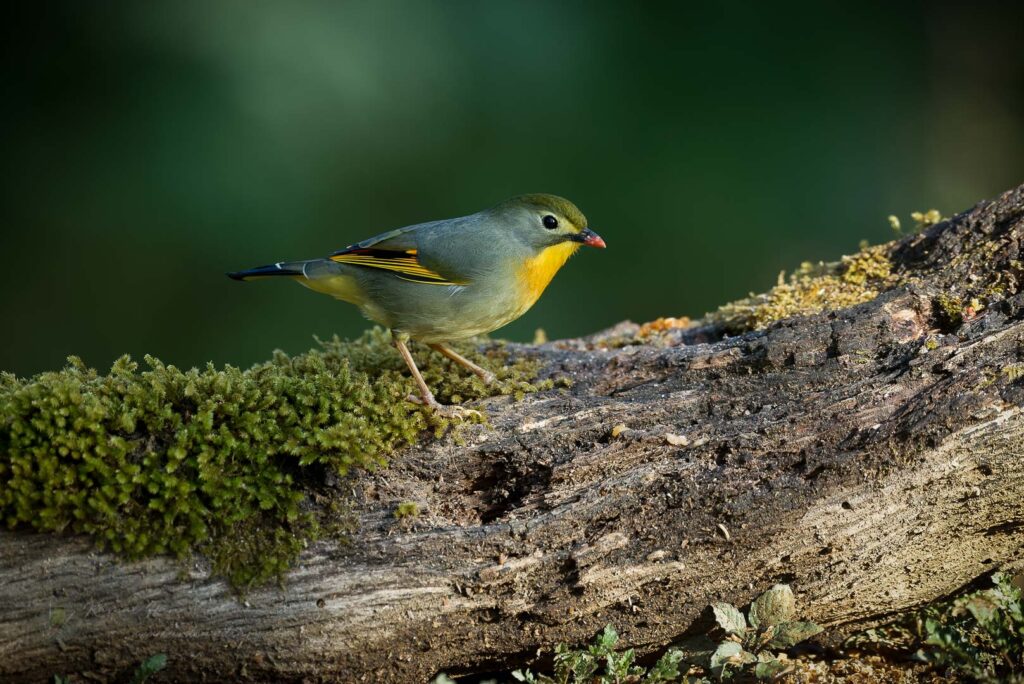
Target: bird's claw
<point>454,412</point>
<point>457,412</point>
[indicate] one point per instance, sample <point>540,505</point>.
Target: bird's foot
<point>488,377</point>
<point>452,412</point>
<point>456,412</point>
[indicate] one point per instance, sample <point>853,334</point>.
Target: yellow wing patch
<point>403,263</point>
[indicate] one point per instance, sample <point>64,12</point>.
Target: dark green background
<point>150,147</point>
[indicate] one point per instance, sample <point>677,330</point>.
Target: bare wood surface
<point>871,457</point>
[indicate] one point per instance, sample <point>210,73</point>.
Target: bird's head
<point>543,221</point>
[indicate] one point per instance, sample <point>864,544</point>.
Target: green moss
<point>58,616</point>
<point>1014,371</point>
<point>950,311</point>
<point>226,462</point>
<point>922,220</point>
<point>407,509</point>
<point>926,219</point>
<point>812,288</point>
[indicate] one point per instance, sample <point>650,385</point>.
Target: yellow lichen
<point>812,288</point>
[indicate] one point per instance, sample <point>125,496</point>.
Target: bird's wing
<point>396,251</point>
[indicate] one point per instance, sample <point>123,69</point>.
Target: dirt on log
<point>870,457</point>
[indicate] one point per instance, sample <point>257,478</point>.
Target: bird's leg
<point>487,376</point>
<point>426,396</point>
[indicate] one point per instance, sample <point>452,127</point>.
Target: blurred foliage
<point>600,663</point>
<point>234,464</point>
<point>146,669</point>
<point>979,634</point>
<point>150,147</point>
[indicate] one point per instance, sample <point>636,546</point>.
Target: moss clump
<point>926,219</point>
<point>810,289</point>
<point>950,311</point>
<point>1014,372</point>
<point>220,462</point>
<point>407,509</point>
<point>922,220</point>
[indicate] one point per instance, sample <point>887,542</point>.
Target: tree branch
<point>869,456</point>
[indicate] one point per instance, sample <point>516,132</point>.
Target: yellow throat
<point>536,273</point>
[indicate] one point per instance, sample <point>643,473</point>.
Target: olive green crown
<point>553,203</point>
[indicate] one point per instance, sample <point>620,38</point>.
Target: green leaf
<point>729,618</point>
<point>769,669</point>
<point>666,669</point>
<point>984,609</point>
<point>445,679</point>
<point>618,667</point>
<point>149,667</point>
<point>725,651</point>
<point>773,607</point>
<point>605,641</point>
<point>696,649</point>
<point>791,633</point>
<point>729,653</point>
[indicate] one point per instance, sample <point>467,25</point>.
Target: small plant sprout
<point>748,645</point>
<point>752,642</point>
<point>149,667</point>
<point>599,663</point>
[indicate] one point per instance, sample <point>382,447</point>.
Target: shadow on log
<point>870,457</point>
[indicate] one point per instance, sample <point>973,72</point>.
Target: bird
<point>448,280</point>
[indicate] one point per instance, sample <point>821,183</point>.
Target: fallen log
<point>869,456</point>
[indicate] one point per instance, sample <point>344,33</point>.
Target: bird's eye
<point>550,222</point>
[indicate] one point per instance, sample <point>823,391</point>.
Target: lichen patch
<point>812,288</point>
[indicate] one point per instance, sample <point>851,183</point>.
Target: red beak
<point>589,237</point>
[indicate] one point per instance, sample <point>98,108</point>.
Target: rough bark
<point>870,457</point>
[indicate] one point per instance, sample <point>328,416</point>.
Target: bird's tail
<point>319,275</point>
<point>281,268</point>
